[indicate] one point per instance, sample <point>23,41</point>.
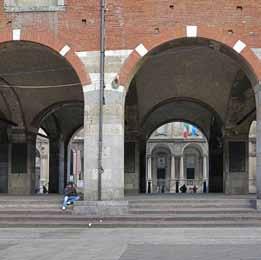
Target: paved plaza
<point>128,244</point>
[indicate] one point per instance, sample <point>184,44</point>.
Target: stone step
<point>193,211</point>
<point>193,201</point>
<point>28,201</point>
<point>29,212</point>
<point>121,224</point>
<point>25,216</point>
<point>189,206</point>
<point>33,207</point>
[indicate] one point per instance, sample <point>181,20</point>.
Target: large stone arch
<point>232,46</point>
<point>235,42</point>
<point>24,130</point>
<point>52,109</point>
<point>196,146</point>
<point>51,41</point>
<point>149,128</point>
<point>13,108</point>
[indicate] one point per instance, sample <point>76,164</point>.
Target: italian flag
<point>186,130</point>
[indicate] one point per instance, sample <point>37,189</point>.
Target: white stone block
<point>16,34</point>
<point>65,50</point>
<point>192,31</point>
<point>141,50</point>
<point>239,46</point>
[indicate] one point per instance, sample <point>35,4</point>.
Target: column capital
<point>148,156</point>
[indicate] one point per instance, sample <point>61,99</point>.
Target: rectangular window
<point>190,173</point>
<point>33,5</point>
<point>19,158</point>
<point>237,156</point>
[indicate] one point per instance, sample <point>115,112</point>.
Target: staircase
<point>144,211</point>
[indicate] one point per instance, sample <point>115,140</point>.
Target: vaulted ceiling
<point>193,80</point>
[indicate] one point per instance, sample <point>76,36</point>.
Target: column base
<point>149,186</point>
<point>258,205</point>
<point>172,186</point>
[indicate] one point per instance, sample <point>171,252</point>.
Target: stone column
<point>173,174</point>
<point>205,173</point>
<point>113,143</point>
<point>61,165</point>
<point>91,128</point>
<point>57,165</point>
<point>69,162</point>
<point>258,144</point>
<point>149,175</point>
<point>252,166</point>
<point>181,171</point>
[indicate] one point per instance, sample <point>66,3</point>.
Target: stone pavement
<point>130,244</point>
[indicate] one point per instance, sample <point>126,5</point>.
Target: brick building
<point>194,61</point>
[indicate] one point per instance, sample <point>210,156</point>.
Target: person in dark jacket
<point>70,195</point>
<point>183,188</point>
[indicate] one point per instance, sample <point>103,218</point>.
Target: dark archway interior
<point>195,80</point>
<point>38,88</point>
<point>60,125</point>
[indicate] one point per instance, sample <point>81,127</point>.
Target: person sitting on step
<point>70,195</point>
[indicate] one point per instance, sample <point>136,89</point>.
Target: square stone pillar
<point>258,144</point>
<point>236,164</point>
<point>21,163</point>
<point>172,174</point>
<point>112,187</point>
<point>91,139</point>
<point>57,165</point>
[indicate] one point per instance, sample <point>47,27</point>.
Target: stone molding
<point>11,6</point>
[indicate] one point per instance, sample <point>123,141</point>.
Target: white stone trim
<point>119,89</point>
<point>65,50</point>
<point>82,54</point>
<point>95,87</point>
<point>16,35</point>
<point>239,46</point>
<point>116,53</point>
<point>192,30</point>
<point>13,6</point>
<point>60,2</point>
<point>111,53</point>
<point>141,50</point>
<point>257,52</point>
<point>88,88</point>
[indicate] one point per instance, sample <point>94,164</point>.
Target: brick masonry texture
<point>130,22</point>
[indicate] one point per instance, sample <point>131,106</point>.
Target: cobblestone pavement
<point>130,244</point>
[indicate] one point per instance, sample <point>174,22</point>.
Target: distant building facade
<point>177,154</point>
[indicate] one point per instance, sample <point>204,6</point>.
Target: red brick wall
<point>130,22</point>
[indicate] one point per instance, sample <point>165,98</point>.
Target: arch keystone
<point>16,35</point>
<point>192,31</point>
